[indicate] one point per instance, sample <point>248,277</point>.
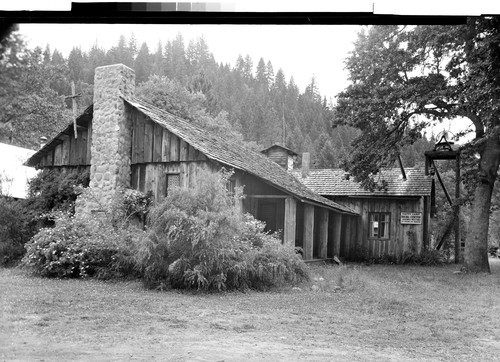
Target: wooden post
<point>337,233</point>
<point>344,244</point>
<point>239,184</point>
<point>442,184</point>
<point>457,210</point>
<point>425,223</point>
<point>308,239</point>
<point>73,101</point>
<point>323,233</point>
<point>73,98</point>
<point>290,221</point>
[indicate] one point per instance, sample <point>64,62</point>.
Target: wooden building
<point>393,221</point>
<point>161,150</point>
<point>283,156</point>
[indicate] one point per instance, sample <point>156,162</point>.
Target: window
<point>379,225</point>
<point>230,185</point>
<point>173,180</point>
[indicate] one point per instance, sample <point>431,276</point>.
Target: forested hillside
<point>249,100</point>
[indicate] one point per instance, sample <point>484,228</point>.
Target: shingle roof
<point>332,182</point>
<point>234,155</point>
<point>277,145</point>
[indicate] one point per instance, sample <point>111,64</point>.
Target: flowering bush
<point>79,247</point>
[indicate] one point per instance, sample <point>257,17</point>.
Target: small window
<point>173,180</point>
<point>230,186</point>
<point>379,225</point>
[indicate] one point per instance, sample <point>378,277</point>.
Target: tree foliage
<point>29,106</point>
<point>405,78</point>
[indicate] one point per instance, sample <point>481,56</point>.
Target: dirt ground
<point>355,313</point>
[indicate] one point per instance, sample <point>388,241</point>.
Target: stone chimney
<point>111,136</point>
<point>305,164</point>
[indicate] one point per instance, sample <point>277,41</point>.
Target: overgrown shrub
<point>54,189</point>
<point>425,257</point>
<point>81,247</point>
<point>17,225</point>
<point>199,239</point>
<point>129,206</point>
<point>21,219</point>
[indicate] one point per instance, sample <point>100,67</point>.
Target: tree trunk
<point>476,246</point>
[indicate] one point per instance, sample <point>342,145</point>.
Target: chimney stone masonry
<point>111,137</point>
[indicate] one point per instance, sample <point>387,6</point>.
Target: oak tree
<point>403,79</point>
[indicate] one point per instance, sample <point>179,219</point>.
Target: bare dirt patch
<point>353,313</point>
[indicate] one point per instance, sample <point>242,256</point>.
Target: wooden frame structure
<point>447,153</point>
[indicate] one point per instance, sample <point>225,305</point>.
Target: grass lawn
<point>353,313</point>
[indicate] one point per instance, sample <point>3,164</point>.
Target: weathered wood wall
<point>152,143</point>
<point>278,155</point>
<point>401,236</point>
<point>153,176</point>
<point>331,232</point>
<point>70,151</point>
<point>157,153</point>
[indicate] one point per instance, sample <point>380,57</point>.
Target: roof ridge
<point>233,154</point>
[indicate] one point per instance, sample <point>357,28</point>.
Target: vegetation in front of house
<point>199,239</point>
<point>195,239</point>
<point>424,258</point>
<point>80,247</point>
<point>16,227</point>
<point>50,190</point>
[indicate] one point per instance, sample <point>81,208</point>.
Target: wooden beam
<point>290,221</point>
<point>442,185</point>
<point>323,233</point>
<point>268,196</point>
<point>457,205</point>
<point>308,237</point>
<point>344,244</point>
<point>337,233</point>
<point>441,155</point>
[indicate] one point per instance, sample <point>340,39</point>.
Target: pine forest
<point>249,100</point>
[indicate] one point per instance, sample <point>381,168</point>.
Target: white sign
<point>414,218</point>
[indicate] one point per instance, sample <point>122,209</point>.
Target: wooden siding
<point>157,153</point>
<point>151,143</point>
<point>69,151</point>
<point>278,155</point>
<point>153,176</point>
<point>401,237</point>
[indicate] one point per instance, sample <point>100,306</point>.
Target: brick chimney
<point>111,136</point>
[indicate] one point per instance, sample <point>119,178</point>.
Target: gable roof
<point>278,146</point>
<point>81,121</point>
<point>332,182</point>
<point>235,155</point>
<point>14,176</point>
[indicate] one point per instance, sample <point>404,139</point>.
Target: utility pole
<point>73,98</point>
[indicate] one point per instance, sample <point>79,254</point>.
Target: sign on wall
<point>414,218</point>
